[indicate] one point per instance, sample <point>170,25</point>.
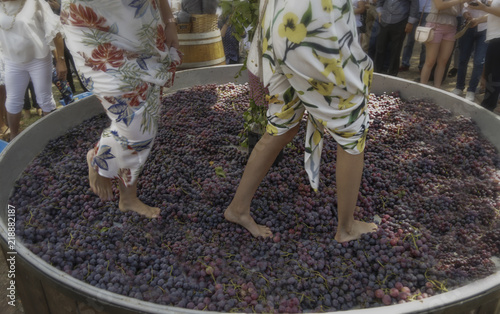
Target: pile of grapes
<point>431,182</point>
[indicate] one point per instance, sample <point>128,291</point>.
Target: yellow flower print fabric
<point>312,61</point>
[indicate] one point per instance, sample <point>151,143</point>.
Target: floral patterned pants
<point>312,61</point>
<point>119,48</point>
<point>125,145</point>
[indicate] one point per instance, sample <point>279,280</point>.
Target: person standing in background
<point>396,18</point>
<point>68,58</point>
<point>360,14</point>
<point>424,9</point>
<point>492,59</point>
<point>30,102</point>
<point>370,19</point>
<point>28,29</point>
<point>472,41</point>
<point>230,43</point>
<point>443,18</point>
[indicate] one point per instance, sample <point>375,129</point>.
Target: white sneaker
<point>457,91</point>
<point>470,96</point>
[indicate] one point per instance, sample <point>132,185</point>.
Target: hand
<point>473,23</point>
<point>61,69</point>
<point>408,28</point>
<point>476,5</point>
<point>171,35</point>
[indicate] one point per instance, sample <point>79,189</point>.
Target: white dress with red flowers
<point>120,52</point>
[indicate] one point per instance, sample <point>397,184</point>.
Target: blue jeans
<point>410,42</point>
<point>471,41</point>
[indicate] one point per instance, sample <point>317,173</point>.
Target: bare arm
<point>480,6</point>
<point>361,8</point>
<point>169,21</point>
<point>59,55</point>
<point>441,5</point>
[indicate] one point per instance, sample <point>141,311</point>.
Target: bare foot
<point>358,228</point>
<point>136,205</point>
<point>98,184</point>
<point>248,223</point>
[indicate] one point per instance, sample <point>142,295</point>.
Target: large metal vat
<point>44,289</point>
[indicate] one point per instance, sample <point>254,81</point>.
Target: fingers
<point>171,35</point>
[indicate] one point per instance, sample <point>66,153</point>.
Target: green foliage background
<point>244,16</point>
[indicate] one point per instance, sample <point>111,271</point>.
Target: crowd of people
<point>126,52</point>
<point>33,56</point>
<point>387,34</point>
<point>383,26</point>
<point>461,31</point>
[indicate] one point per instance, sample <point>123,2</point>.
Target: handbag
<point>424,34</point>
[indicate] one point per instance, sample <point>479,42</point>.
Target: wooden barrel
<point>201,49</point>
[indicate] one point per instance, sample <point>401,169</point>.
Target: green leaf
<point>320,47</point>
<point>307,17</point>
<point>220,172</point>
<point>309,105</point>
<point>288,95</point>
<point>314,32</point>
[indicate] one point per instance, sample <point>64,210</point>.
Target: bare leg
<point>445,51</point>
<point>349,170</point>
<point>259,163</point>
<point>13,120</point>
<point>431,51</point>
<point>130,201</point>
<point>100,185</point>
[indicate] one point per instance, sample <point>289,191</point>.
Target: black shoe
<point>452,72</point>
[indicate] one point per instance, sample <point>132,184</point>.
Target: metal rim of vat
<point>23,149</point>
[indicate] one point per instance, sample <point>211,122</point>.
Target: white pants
<point>17,78</point>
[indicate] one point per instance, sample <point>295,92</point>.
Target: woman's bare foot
<point>98,184</point>
<point>358,228</point>
<point>130,201</point>
<point>246,221</point>
<point>135,204</point>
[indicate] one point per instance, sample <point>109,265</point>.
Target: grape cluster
<point>430,181</point>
